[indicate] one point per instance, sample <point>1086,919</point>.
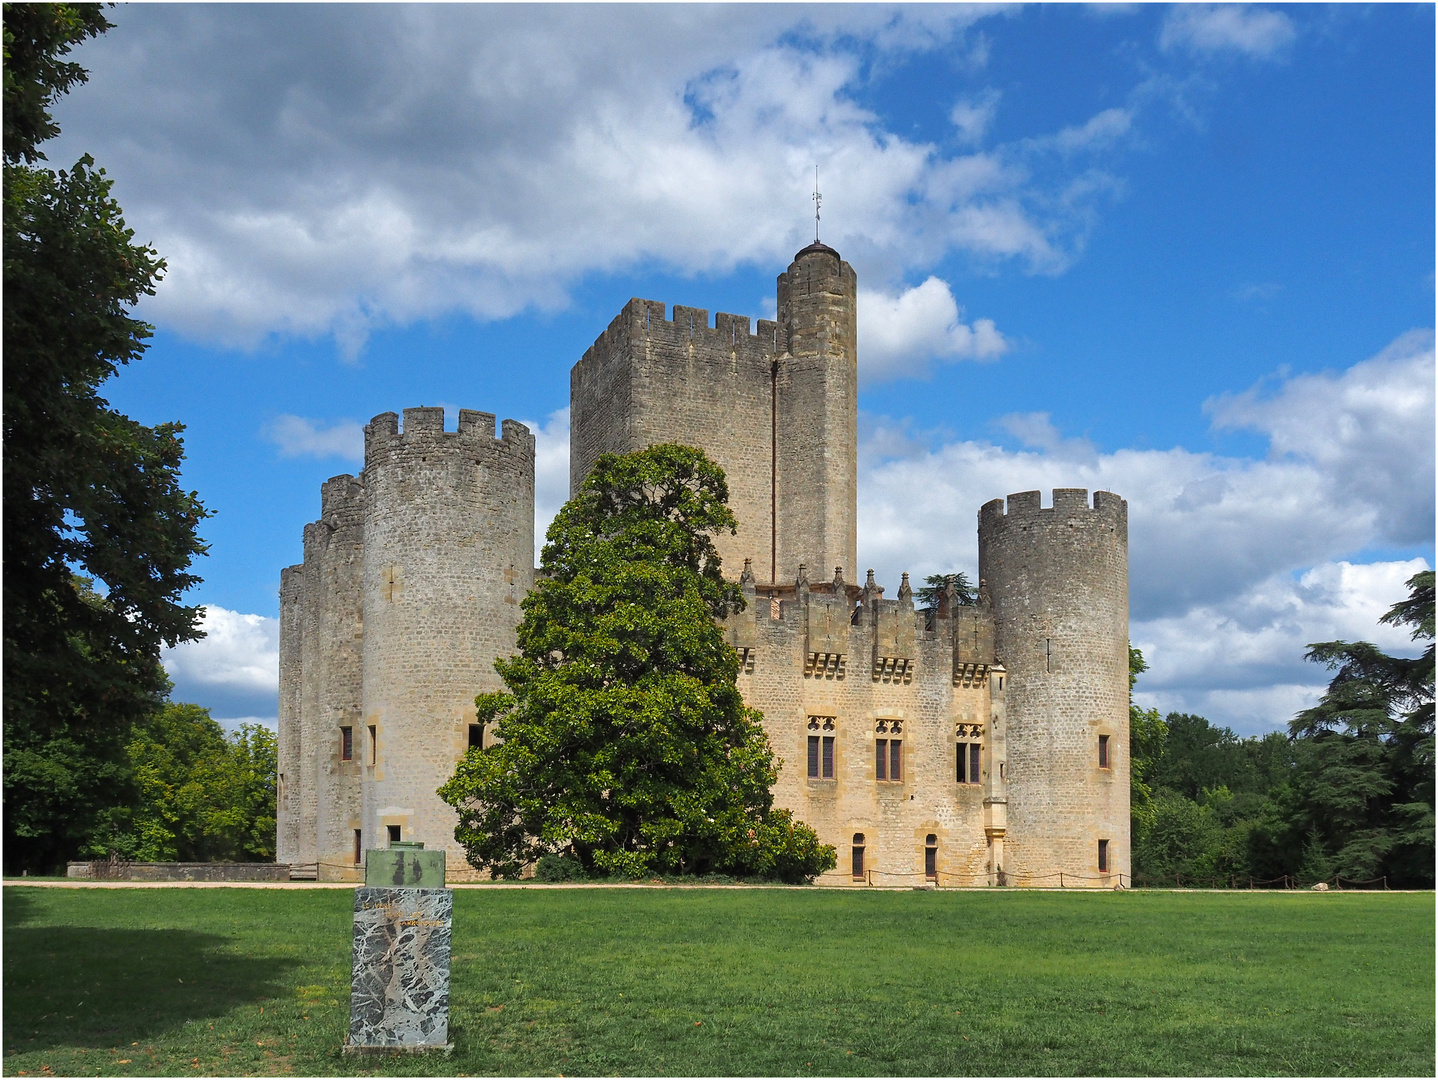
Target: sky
<point>1181,253</point>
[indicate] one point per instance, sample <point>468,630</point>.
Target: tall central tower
<point>816,410</point>
<point>778,409</point>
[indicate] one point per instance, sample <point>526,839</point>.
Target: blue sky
<point>1183,253</point>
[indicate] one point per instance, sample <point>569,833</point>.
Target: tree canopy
<point>623,742</point>
<point>99,534</point>
<point>1347,791</point>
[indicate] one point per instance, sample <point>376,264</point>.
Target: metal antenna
<point>817,199</point>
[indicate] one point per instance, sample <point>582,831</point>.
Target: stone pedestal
<point>399,999</point>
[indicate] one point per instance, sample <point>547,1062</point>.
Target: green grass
<point>776,982</point>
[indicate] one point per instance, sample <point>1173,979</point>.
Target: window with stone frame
<point>889,751</point>
<point>1103,752</point>
<point>856,858</point>
<point>347,743</point>
<point>1103,856</point>
<point>822,732</point>
<point>931,857</point>
<point>968,753</point>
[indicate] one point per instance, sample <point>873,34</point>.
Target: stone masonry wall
<point>341,630</point>
<point>817,401</point>
<point>448,556</point>
<point>848,698</point>
<point>649,380</point>
<point>287,817</point>
<point>1058,577</point>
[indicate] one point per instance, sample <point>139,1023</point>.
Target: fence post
<point>1061,879</point>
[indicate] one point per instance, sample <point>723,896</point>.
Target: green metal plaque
<point>404,868</point>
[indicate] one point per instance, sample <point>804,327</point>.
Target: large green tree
<point>625,744</point>
<point>99,534</point>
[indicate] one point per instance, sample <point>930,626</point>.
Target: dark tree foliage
<point>202,794</point>
<point>99,535</point>
<point>1348,792</point>
<point>626,746</point>
<point>927,598</point>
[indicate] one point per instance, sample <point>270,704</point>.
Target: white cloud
<point>298,436</point>
<point>1243,658</point>
<point>900,334</point>
<point>1370,429</point>
<point>972,117</point>
<point>1235,564</point>
<point>1098,131</point>
<point>315,170</point>
<point>234,670</point>
<point>551,471</point>
<point>1213,28</point>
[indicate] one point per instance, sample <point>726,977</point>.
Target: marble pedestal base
<point>399,998</point>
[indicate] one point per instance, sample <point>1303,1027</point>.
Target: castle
<point>968,744</point>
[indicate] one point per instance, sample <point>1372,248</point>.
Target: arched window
<point>858,857</point>
<point>931,857</point>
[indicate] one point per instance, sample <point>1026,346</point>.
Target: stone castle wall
<point>1058,577</point>
<point>409,591</point>
<point>650,380</point>
<point>412,579</point>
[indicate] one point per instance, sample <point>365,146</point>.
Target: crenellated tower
<point>1058,578</point>
<point>448,556</point>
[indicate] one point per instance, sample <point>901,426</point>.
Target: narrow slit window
<point>347,743</point>
<point>896,759</point>
<point>1103,856</point>
<point>476,736</point>
<point>394,831</point>
<point>975,753</point>
<point>373,744</point>
<point>359,849</point>
<point>856,861</point>
<point>1103,751</point>
<point>931,857</point>
<point>881,759</point>
<point>828,757</point>
<point>813,756</point>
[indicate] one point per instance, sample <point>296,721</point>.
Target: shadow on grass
<point>89,986</point>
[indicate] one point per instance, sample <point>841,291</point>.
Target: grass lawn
<point>774,982</point>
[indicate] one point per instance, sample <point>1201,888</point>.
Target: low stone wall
<point>177,871</point>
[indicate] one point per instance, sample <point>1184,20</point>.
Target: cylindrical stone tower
<point>1058,579</point>
<point>816,384</point>
<point>448,556</point>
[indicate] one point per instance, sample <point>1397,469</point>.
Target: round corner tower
<point>449,555</point>
<point>1058,581</point>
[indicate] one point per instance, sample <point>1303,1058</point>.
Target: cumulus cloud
<point>316,170</point>
<point>551,471</point>
<point>234,670</point>
<point>1243,659</point>
<point>1217,28</point>
<point>299,436</point>
<point>1225,553</point>
<point>1370,429</point>
<point>899,335</point>
<point>973,116</point>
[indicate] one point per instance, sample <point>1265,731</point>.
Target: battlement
<point>342,501</point>
<point>424,431</point>
<point>1026,505</point>
<point>643,320</point>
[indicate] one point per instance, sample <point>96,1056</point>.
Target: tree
<point>1365,775</point>
<point>99,535</point>
<point>1146,735</point>
<point>201,795</point>
<point>927,598</point>
<point>625,744</point>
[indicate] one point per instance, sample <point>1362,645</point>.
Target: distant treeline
<point>1347,791</point>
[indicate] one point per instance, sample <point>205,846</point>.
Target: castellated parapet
<point>981,743</point>
<point>409,591</point>
<point>1058,579</point>
<point>776,408</point>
